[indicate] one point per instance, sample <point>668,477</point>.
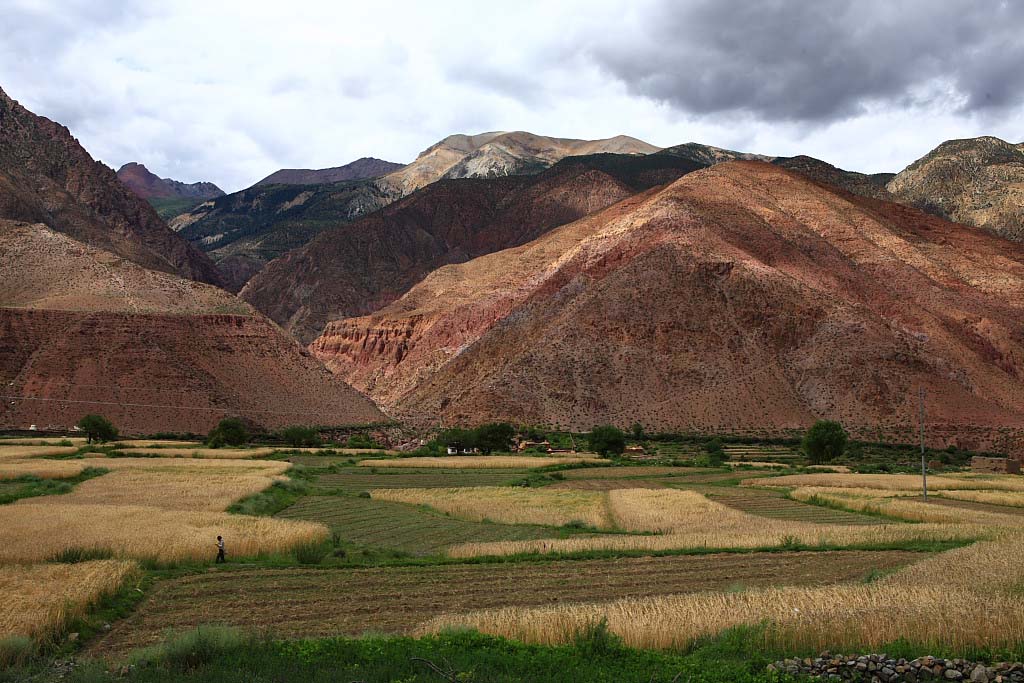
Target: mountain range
<point>366,167</point>
<point>520,277</point>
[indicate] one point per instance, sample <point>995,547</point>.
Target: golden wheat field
<point>478,462</point>
<point>895,482</point>
<point>39,599</point>
<point>509,505</point>
<point>46,469</point>
<point>170,490</point>
<point>16,452</point>
<point>78,441</point>
<point>213,453</point>
<point>1007,498</point>
<point>964,598</point>
<point>38,531</point>
<point>157,443</point>
<point>904,507</point>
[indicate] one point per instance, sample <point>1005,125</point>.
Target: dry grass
<point>34,451</point>
<point>895,482</point>
<point>39,599</point>
<point>963,598</point>
<point>509,505</point>
<point>169,490</point>
<point>478,462</point>
<point>46,469</point>
<point>903,507</point>
<point>44,440</point>
<point>211,453</point>
<point>840,617</point>
<point>38,532</point>
<point>212,467</point>
<point>157,443</point>
<point>1006,498</point>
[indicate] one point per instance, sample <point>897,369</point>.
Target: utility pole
<point>924,465</point>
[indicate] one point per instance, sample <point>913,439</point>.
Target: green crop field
<point>406,528</point>
<point>355,480</point>
<point>777,506</point>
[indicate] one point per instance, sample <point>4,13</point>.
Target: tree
<point>638,431</point>
<point>714,454</point>
<point>300,436</point>
<point>824,441</point>
<point>458,438</point>
<point>97,427</point>
<point>607,440</point>
<point>496,436</point>
<point>231,431</point>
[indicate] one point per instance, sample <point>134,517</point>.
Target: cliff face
<point>355,269</point>
<point>978,182</point>
<point>739,297</point>
<point>148,185</point>
<point>83,330</point>
<point>47,177</point>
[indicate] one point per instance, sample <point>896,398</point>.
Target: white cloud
<point>231,91</point>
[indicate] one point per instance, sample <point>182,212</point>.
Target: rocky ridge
<point>148,185</point>
<point>366,167</point>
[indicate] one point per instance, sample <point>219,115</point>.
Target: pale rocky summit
<point>47,177</point>
<point>742,296</point>
<point>148,185</point>
<point>977,181</point>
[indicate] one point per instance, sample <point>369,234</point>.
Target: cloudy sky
<point>231,91</point>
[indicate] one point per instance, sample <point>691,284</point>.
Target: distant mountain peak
<point>364,167</point>
<point>148,185</point>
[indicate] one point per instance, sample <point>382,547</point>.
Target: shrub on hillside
<point>97,428</point>
<point>824,441</point>
<point>231,431</point>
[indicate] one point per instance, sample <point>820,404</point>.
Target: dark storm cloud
<point>819,60</point>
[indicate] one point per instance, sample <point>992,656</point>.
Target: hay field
<point>78,441</point>
<point>904,507</point>
<point>45,469</point>
<point>39,599</point>
<point>1007,498</point>
<point>896,482</point>
<point>205,466</point>
<point>37,532</point>
<point>16,452</point>
<point>479,461</point>
<point>977,587</point>
<point>213,453</point>
<point>509,505</point>
<point>157,443</point>
<point>168,490</point>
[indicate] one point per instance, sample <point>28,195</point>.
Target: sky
<point>230,91</point>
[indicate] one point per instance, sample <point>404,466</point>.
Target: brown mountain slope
<point>366,167</point>
<point>148,185</point>
<point>47,177</point>
<point>359,267</point>
<point>978,181</point>
<point>83,330</point>
<point>742,296</point>
<point>866,185</point>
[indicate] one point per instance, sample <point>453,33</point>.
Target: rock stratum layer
<point>362,266</point>
<point>148,185</point>
<point>47,177</point>
<point>83,330</point>
<point>740,297</point>
<point>978,181</point>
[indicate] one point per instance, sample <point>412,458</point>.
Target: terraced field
<point>774,505</point>
<point>407,528</point>
<point>355,480</point>
<point>324,602</point>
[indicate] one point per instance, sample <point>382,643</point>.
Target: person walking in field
<point>220,550</point>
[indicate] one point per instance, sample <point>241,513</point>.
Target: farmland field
<point>308,602</point>
<point>354,480</point>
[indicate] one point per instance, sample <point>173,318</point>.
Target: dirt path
<point>322,602</point>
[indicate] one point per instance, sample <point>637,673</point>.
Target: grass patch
<point>274,499</point>
<point>31,486</point>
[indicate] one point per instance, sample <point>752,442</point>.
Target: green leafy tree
<point>97,428</point>
<point>607,440</point>
<point>297,436</point>
<point>458,438</point>
<point>496,436</point>
<point>714,454</point>
<point>230,431</point>
<point>824,441</point>
<point>638,431</point>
